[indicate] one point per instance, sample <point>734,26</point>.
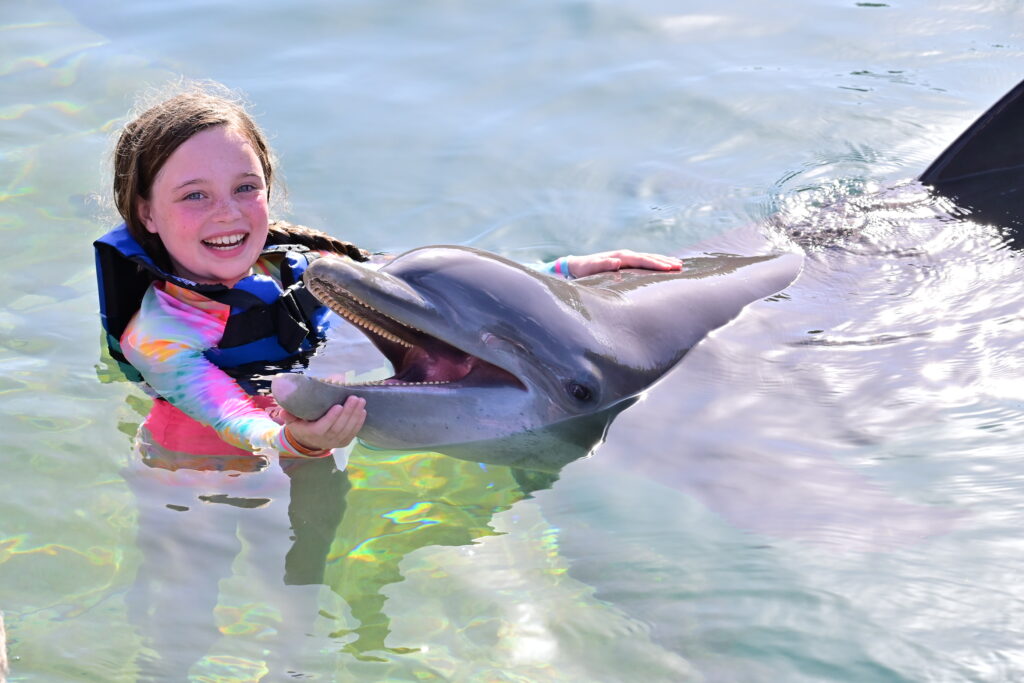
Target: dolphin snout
<point>284,386</point>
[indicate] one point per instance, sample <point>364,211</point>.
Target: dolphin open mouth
<point>418,358</point>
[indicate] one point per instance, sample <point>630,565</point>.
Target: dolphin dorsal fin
<point>983,170</point>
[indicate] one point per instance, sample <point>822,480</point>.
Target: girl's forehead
<point>223,137</point>
<point>221,148</point>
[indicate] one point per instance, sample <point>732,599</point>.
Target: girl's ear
<point>144,209</point>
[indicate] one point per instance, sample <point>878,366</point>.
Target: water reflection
<point>204,519</point>
<point>234,547</point>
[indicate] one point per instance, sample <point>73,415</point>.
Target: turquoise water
<point>828,489</point>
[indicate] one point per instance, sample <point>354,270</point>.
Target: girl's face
<point>208,206</point>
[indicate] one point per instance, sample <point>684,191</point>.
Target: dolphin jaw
<point>419,358</point>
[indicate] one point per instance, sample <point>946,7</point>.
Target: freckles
<point>187,219</point>
<point>257,206</point>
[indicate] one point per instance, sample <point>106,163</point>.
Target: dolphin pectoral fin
<point>983,170</point>
<point>305,397</point>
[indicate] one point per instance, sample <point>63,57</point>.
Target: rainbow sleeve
<point>165,342</point>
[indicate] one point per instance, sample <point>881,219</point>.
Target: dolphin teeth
<point>354,318</point>
<point>380,382</point>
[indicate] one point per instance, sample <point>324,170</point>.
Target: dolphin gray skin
<point>484,348</point>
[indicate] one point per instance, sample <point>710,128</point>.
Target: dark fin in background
<point>983,170</point>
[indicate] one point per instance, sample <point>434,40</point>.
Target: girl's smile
<point>208,205</point>
<point>226,242</point>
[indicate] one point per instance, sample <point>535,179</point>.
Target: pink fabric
<point>173,430</point>
<point>165,341</point>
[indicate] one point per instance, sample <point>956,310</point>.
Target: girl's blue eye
<point>194,195</point>
<point>248,187</point>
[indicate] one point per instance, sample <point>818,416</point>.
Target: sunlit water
<point>830,488</point>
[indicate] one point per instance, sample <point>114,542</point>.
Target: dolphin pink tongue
<point>441,365</point>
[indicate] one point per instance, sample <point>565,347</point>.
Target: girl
<point>198,286</point>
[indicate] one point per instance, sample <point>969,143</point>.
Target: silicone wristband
<point>303,450</point>
<point>562,267</point>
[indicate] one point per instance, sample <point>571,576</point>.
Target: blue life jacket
<point>271,323</point>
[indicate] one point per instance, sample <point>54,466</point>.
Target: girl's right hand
<point>335,429</point>
<point>601,262</point>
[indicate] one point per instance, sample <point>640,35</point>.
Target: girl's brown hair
<point>149,140</point>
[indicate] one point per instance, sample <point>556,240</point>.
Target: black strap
<point>287,315</point>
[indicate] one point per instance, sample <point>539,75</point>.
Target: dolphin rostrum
<point>484,348</point>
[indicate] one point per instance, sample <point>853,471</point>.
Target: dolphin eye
<point>578,391</point>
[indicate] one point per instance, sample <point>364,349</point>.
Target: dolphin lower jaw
<point>395,415</point>
<point>454,418</point>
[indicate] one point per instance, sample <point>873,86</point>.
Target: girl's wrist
<point>301,448</point>
<point>561,267</point>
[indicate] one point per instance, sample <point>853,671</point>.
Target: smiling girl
<point>198,286</point>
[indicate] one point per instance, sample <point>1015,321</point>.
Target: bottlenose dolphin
<point>497,363</point>
<point>485,349</point>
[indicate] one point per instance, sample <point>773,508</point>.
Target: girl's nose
<point>227,210</point>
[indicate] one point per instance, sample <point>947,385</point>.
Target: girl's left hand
<point>581,266</point>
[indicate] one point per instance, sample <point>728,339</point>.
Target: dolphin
<point>982,171</point>
<point>487,351</point>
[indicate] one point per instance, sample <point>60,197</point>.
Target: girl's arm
<point>165,343</point>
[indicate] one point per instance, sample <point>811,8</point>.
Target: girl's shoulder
<point>172,296</point>
<point>164,319</point>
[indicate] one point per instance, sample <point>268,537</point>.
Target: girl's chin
<point>216,276</point>
<point>211,266</point>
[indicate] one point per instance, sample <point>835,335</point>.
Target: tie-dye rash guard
<point>166,340</point>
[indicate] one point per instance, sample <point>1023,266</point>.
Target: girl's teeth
<point>225,241</point>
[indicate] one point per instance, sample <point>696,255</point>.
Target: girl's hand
<point>335,429</point>
<point>581,266</point>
